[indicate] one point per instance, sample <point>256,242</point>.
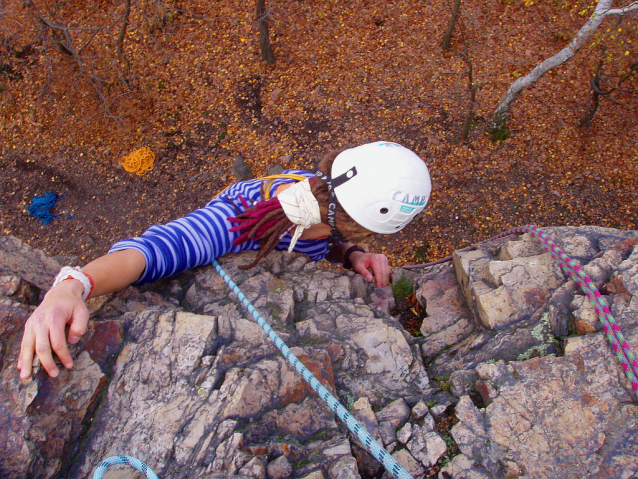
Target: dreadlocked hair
<point>267,222</point>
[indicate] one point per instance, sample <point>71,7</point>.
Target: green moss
<point>517,376</point>
<point>347,399</point>
<point>444,382</point>
<point>402,288</point>
<point>500,135</point>
<point>275,311</point>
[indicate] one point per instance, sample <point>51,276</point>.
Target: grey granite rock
<point>179,374</point>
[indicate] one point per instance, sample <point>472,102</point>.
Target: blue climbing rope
<point>125,460</point>
<point>40,207</point>
<point>380,454</point>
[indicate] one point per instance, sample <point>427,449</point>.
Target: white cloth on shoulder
<point>301,207</point>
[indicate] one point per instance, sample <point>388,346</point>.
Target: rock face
<point>511,375</point>
<point>20,260</point>
<point>560,405</point>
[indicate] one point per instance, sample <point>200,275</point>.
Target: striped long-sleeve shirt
<point>204,235</point>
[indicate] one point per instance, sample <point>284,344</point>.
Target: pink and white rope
<point>571,268</point>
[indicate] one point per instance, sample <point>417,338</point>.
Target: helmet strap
<point>335,234</point>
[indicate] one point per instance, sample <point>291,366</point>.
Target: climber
<point>373,188</point>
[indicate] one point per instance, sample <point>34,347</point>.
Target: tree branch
<point>501,114</point>
<point>621,11</point>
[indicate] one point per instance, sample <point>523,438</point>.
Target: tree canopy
<point>82,84</point>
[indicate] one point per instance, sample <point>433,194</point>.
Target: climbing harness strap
<point>269,180</point>
<point>390,464</point>
<point>571,268</point>
<point>290,176</point>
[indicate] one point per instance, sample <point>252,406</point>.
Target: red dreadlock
<point>266,221</point>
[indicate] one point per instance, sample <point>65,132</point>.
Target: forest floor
<point>191,86</point>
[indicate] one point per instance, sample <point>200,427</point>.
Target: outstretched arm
<point>44,331</point>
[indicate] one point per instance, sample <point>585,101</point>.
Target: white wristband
<point>75,273</point>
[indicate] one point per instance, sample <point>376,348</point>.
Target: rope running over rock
<point>390,464</point>
<point>571,268</point>
<point>574,271</point>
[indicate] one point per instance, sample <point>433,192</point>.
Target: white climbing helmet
<point>381,185</point>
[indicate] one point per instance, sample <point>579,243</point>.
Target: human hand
<point>44,331</point>
<point>373,267</point>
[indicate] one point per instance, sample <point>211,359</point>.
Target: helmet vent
<point>383,211</point>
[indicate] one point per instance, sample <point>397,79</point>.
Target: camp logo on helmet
<point>409,200</point>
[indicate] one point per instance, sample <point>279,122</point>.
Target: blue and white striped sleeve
<point>316,249</point>
<point>203,235</point>
<point>193,240</point>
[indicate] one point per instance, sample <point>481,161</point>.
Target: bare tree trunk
<point>264,38</point>
<point>597,82</point>
<point>122,34</point>
<point>469,116</point>
<point>498,123</point>
<point>447,38</point>
<point>595,101</point>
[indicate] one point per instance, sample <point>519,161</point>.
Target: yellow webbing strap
<point>265,188</point>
